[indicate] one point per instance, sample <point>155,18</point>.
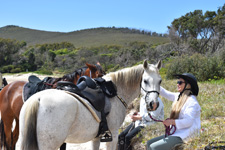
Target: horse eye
<point>145,81</point>
<point>160,81</point>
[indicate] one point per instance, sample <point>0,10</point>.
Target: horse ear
<point>145,64</point>
<point>159,64</point>
<point>90,66</point>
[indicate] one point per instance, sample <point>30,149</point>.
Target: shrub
<point>7,69</point>
<point>44,71</point>
<point>16,70</point>
<point>204,68</point>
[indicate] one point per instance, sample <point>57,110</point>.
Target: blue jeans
<point>163,143</point>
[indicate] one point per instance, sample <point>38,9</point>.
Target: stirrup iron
<point>106,136</point>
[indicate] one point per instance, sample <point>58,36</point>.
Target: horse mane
<point>128,76</point>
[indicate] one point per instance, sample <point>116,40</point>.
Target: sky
<point>73,15</point>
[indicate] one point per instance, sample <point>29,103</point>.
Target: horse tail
<point>30,125</point>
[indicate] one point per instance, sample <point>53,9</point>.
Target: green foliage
<point>61,51</point>
<point>44,71</point>
<point>204,68</point>
<point>201,32</point>
<point>16,70</point>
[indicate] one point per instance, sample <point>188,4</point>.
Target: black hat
<point>190,78</point>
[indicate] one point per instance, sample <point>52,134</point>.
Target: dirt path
<point>24,77</point>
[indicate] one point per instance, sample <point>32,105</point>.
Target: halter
<point>148,92</point>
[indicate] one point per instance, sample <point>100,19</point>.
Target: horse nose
<point>153,106</point>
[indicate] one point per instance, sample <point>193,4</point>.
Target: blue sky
<point>73,15</point>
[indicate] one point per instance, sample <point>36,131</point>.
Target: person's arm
<point>187,119</point>
<point>190,113</point>
<point>168,95</point>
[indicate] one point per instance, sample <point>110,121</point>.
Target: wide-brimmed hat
<point>190,78</point>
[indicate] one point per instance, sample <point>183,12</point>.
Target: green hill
<point>81,38</point>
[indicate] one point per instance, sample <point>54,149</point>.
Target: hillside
<point>81,38</point>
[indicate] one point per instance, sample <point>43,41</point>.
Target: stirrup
<point>106,136</point>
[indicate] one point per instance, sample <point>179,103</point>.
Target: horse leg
<point>113,145</point>
<point>2,135</point>
<point>95,144</point>
<point>8,131</point>
<point>15,134</point>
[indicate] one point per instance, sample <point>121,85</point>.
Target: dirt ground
<point>24,77</point>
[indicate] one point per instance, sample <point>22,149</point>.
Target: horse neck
<point>87,73</point>
<point>128,83</point>
<point>129,93</point>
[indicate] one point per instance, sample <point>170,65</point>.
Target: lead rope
<point>167,128</point>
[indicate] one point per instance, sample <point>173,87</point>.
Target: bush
<point>7,69</point>
<point>204,68</point>
<point>44,71</point>
<point>16,70</point>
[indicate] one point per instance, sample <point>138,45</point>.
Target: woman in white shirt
<point>185,114</point>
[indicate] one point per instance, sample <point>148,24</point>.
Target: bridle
<point>148,93</point>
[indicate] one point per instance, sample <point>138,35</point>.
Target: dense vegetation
<point>196,45</point>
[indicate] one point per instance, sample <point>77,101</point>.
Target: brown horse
<point>11,102</point>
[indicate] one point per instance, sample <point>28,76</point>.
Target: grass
<point>211,99</point>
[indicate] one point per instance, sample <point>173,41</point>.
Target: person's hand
<point>169,122</point>
<point>135,117</point>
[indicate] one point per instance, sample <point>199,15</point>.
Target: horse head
<point>95,70</point>
<point>150,85</point>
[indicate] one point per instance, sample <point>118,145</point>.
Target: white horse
<point>51,117</point>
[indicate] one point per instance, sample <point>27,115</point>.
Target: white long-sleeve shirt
<point>146,120</point>
<point>188,121</point>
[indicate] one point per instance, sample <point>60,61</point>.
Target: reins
<point>167,128</point>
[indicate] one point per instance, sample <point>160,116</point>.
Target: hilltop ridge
<point>81,38</point>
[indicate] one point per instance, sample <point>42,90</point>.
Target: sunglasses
<point>180,82</point>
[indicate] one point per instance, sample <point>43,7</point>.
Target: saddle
<point>94,90</point>
<point>35,85</point>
